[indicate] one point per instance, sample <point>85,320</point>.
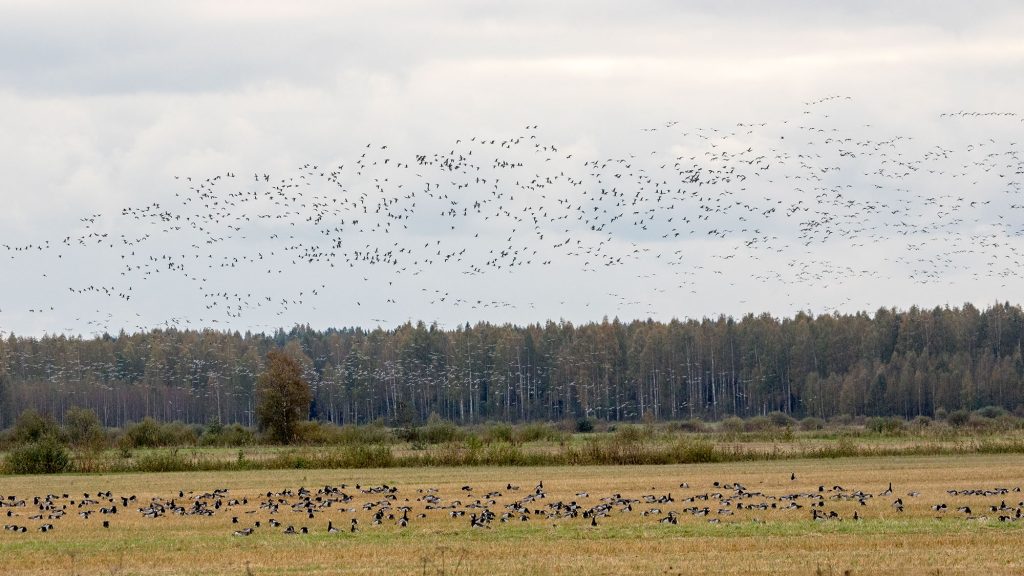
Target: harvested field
<point>728,528</point>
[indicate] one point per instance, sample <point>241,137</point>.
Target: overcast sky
<point>873,172</point>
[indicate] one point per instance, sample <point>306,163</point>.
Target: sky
<point>255,165</point>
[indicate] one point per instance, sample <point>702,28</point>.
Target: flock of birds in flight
<point>354,508</point>
<point>499,226</point>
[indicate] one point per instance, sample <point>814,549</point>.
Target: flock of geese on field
<point>353,508</point>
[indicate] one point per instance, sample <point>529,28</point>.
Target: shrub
<point>991,411</point>
<point>32,426</point>
<point>325,433</point>
<point>214,426</point>
<point>537,432</point>
<point>842,419</point>
<point>143,434</point>
<point>694,452</point>
<point>502,454</point>
<point>758,424</point>
<point>84,429</point>
<point>163,461</point>
<point>780,419</point>
<point>882,425</point>
<point>352,434</point>
<point>921,422</point>
<point>958,418</point>
<point>151,434</point>
<point>179,434</point>
<point>691,425</point>
<point>361,456</point>
<point>985,424</point>
<point>232,435</point>
<point>732,425</point>
<point>438,431</point>
<point>978,422</point>
<point>601,451</point>
<point>812,423</point>
<point>1007,422</point>
<point>632,433</point>
<point>500,433</point>
<point>350,457</point>
<point>46,456</point>
<point>305,432</point>
<point>367,457</point>
<point>584,425</point>
<point>408,433</point>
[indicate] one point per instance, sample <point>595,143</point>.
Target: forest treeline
<point>892,363</point>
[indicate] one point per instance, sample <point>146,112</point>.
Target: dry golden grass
<point>746,542</point>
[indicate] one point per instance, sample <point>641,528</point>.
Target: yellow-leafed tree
<point>284,397</point>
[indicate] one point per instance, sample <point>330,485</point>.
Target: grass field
<point>918,540</point>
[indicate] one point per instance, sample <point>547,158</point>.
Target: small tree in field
<point>284,397</point>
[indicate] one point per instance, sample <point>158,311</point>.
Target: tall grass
<point>153,447</point>
<point>608,449</point>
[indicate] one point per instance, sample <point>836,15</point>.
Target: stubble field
<point>731,518</point>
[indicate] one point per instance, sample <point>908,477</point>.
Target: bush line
<point>611,450</point>
<point>38,445</point>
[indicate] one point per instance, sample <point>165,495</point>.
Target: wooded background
<point>894,363</point>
